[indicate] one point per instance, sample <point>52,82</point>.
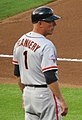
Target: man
<point>35,64</point>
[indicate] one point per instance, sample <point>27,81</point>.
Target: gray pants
<point>40,104</point>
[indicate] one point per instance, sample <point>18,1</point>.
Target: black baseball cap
<point>44,14</point>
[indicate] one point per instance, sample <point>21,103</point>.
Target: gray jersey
<point>34,54</point>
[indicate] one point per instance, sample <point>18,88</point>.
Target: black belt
<point>37,86</point>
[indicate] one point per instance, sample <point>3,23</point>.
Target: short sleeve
<point>15,60</point>
<point>49,59</point>
<point>15,56</point>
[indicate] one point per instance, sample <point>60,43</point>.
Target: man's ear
<point>40,24</point>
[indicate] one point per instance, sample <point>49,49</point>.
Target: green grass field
<point>11,103</point>
<point>73,97</point>
<point>12,7</point>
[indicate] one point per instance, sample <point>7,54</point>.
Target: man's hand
<point>64,108</point>
<point>21,86</point>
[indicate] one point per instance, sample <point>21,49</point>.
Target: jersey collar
<point>35,35</point>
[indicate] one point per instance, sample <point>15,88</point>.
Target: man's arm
<point>56,91</point>
<point>52,81</point>
<point>21,86</point>
<point>17,74</point>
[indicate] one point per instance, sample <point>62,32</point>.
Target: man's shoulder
<point>49,43</point>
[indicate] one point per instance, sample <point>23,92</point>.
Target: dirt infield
<point>67,37</point>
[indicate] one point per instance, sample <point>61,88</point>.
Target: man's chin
<point>50,33</point>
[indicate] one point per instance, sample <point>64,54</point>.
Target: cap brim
<point>52,18</point>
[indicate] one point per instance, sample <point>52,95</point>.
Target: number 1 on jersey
<point>25,55</point>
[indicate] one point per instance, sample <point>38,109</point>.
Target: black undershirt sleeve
<point>51,76</point>
<point>16,70</point>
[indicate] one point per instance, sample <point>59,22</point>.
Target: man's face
<point>48,27</point>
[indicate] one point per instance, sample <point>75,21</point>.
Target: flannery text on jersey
<point>28,43</point>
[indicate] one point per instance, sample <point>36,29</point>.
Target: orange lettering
<point>33,47</point>
<point>36,47</point>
